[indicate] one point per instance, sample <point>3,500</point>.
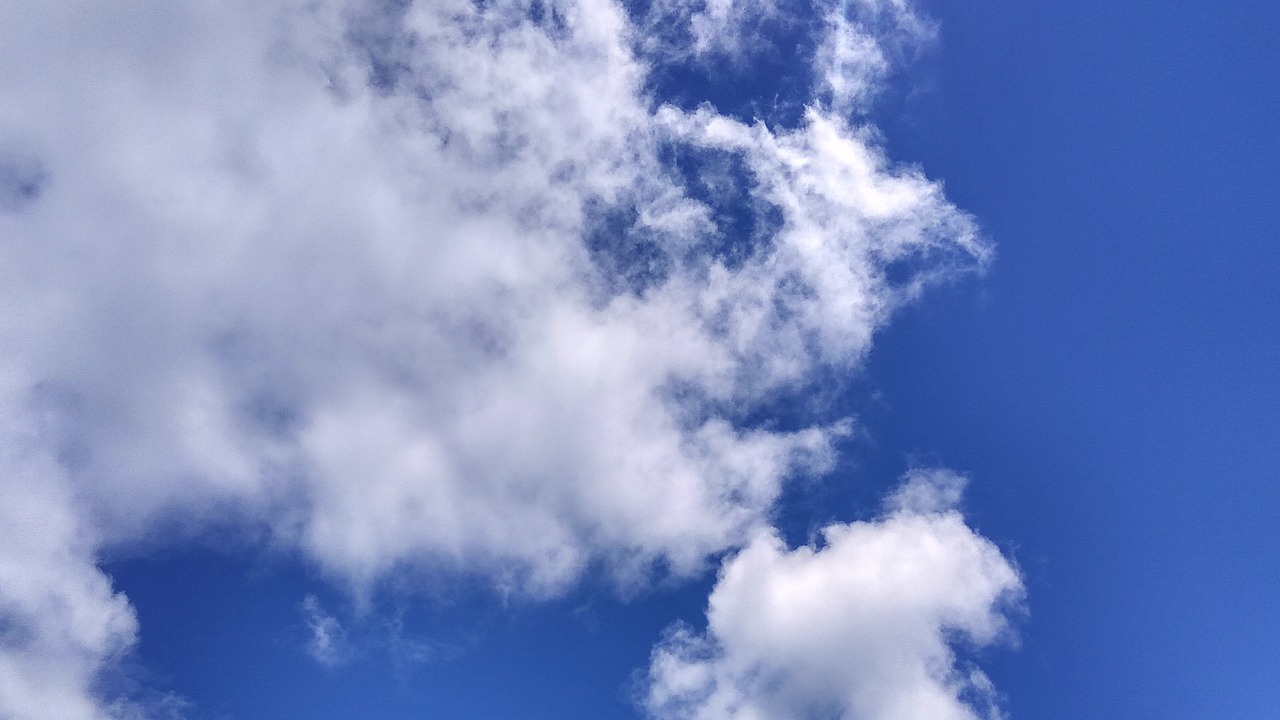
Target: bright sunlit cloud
<point>420,289</point>
<point>861,626</point>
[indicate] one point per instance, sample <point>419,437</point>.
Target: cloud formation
<point>417,287</point>
<point>328,642</point>
<point>861,626</point>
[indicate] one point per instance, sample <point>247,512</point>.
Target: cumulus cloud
<point>417,286</point>
<point>863,625</point>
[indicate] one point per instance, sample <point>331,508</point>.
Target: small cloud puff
<point>864,627</point>
<point>926,491</point>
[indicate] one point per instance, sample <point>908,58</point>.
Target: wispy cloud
<point>327,643</point>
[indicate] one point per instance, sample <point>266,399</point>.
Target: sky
<point>662,360</point>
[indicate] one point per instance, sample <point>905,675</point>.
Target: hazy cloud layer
<point>415,286</point>
<point>862,626</point>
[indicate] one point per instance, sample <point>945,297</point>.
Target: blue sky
<point>1122,409</point>
<point>418,360</point>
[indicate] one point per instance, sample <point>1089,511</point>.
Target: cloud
<point>852,45</point>
<point>694,30</point>
<point>863,41</point>
<point>328,642</point>
<point>864,625</point>
<point>60,622</point>
<point>21,180</point>
<point>423,287</point>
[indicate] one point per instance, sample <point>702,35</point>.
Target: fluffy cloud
<point>416,286</point>
<point>861,626</point>
<point>59,619</point>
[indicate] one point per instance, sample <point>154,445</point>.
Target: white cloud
<point>856,44</point>
<point>59,619</point>
<point>391,320</point>
<point>697,29</point>
<point>863,626</point>
<point>864,40</point>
